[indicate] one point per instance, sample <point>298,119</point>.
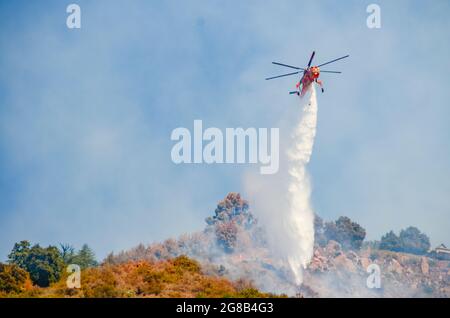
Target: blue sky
<point>86,115</point>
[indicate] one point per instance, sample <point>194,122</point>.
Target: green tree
<point>410,240</point>
<point>43,264</point>
<point>390,241</point>
<point>413,241</point>
<point>19,254</point>
<point>85,257</point>
<point>348,233</point>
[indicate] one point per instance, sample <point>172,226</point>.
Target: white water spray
<point>300,216</point>
<point>281,201</point>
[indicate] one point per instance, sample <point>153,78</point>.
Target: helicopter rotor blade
<point>335,72</point>
<point>333,61</point>
<point>269,78</point>
<point>310,60</point>
<point>294,67</point>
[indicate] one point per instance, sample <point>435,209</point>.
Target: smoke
<point>282,201</point>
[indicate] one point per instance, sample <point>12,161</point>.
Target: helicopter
<point>310,74</point>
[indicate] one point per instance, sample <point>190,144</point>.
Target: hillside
<point>178,277</point>
<point>231,257</point>
<point>234,241</point>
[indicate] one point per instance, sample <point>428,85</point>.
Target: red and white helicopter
<point>310,74</point>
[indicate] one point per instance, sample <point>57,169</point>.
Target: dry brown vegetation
<point>177,277</point>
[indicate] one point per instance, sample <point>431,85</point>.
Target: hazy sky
<point>86,115</point>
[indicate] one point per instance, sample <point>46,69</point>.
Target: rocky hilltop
<point>334,272</point>
<point>234,245</point>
